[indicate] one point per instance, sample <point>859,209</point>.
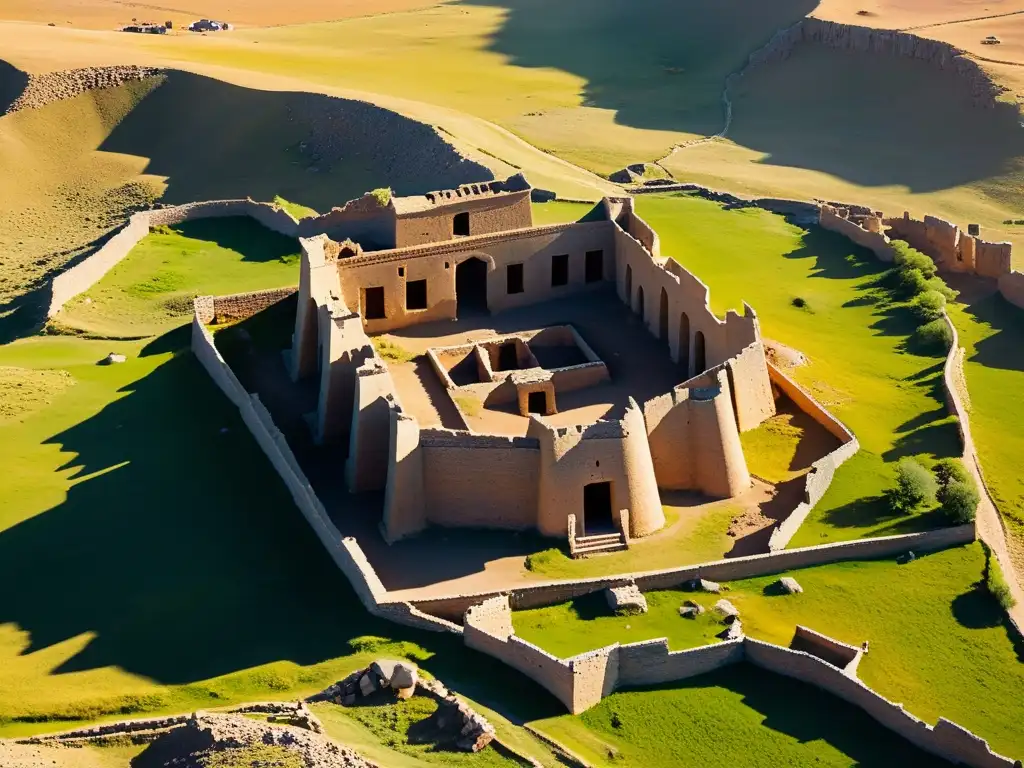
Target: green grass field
<point>992,333</point>
<point>151,289</point>
<point>938,641</point>
<point>738,715</point>
<point>160,563</point>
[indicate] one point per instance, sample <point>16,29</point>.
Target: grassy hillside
<point>973,676</point>
<point>74,169</point>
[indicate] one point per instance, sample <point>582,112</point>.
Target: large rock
<point>733,632</point>
<point>703,585</point>
<point>727,610</point>
<point>790,586</point>
<point>626,600</point>
<point>367,685</point>
<point>404,676</point>
<point>691,609</point>
<point>384,669</point>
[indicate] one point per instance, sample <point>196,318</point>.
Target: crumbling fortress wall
<point>582,681</point>
<point>952,249</point>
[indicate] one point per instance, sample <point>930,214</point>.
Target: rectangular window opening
<point>595,266</point>
<point>460,225</point>
<point>416,294</point>
<point>559,270</point>
<point>537,402</point>
<point>514,276</point>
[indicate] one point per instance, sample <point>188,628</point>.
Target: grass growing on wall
<point>938,639</point>
<point>855,337</point>
<point>151,289</point>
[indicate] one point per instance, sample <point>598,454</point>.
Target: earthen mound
<point>40,90</point>
<point>251,742</point>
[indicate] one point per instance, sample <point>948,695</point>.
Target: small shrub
<point>910,258</point>
<point>912,282</point>
<point>929,305</point>
<point>616,720</point>
<point>950,470</point>
<point>914,486</point>
<point>161,229</point>
<point>995,582</point>
<point>939,285</point>
<point>934,337</point>
<point>391,351</point>
<point>959,502</point>
<point>799,302</point>
<point>382,196</point>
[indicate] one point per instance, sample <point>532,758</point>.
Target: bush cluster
<point>995,582</point>
<point>915,485</point>
<point>948,482</point>
<point>917,280</point>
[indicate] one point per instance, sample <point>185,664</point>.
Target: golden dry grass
<point>108,14</point>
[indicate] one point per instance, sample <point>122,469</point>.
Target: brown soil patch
<point>782,356</point>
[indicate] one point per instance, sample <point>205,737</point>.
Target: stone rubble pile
<point>454,721</point>
<point>54,86</point>
<point>626,600</point>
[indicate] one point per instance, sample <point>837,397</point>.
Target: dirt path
<point>960,21</point>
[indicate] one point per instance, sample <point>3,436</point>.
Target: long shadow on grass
<point>1004,347</point>
<point>312,149</point>
<point>12,84</point>
<point>679,53</point>
<point>242,235</point>
<point>180,550</point>
<point>790,707</point>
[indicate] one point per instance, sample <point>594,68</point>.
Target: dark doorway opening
<point>629,286</point>
<point>416,294</point>
<point>460,225</point>
<point>594,272</point>
<point>507,359</point>
<point>559,270</point>
<point>597,508</point>
<point>640,303</point>
<point>537,402</point>
<point>699,354</point>
<point>373,309</point>
<point>514,278</point>
<point>471,287</point>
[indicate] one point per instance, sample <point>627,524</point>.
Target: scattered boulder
<point>366,685</point>
<point>733,632</point>
<point>790,586</point>
<point>626,600</point>
<point>909,557</point>
<point>727,611</point>
<point>113,358</point>
<point>703,585</point>
<point>690,609</point>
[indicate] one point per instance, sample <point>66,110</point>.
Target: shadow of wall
<point>212,140</point>
<point>874,120</point>
<point>661,64</point>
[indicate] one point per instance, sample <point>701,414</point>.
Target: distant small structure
<point>991,40</point>
<point>209,25</point>
<point>146,28</point>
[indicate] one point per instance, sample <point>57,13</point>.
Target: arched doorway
<point>471,287</point>
<point>684,344</point>
<point>640,302</point>
<point>663,317</point>
<point>629,286</point>
<point>699,360</point>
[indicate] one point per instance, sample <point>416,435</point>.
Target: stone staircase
<point>599,544</point>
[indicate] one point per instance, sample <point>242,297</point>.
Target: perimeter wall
<point>580,682</point>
